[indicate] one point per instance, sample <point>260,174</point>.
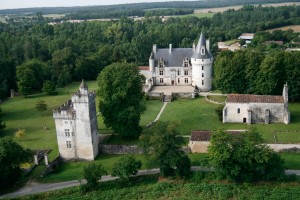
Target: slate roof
<point>204,135</point>
<point>177,55</point>
<point>250,98</point>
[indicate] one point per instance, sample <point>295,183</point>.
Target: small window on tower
<point>238,110</point>
<point>202,82</point>
<point>186,72</point>
<point>178,80</point>
<point>202,67</point>
<point>161,72</point>
<point>202,74</point>
<point>161,80</point>
<point>68,143</point>
<point>67,132</point>
<point>186,80</point>
<point>178,72</point>
<point>202,51</point>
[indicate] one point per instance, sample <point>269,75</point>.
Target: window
<point>202,74</point>
<point>178,72</point>
<point>186,72</point>
<point>161,80</point>
<point>202,67</point>
<point>73,134</point>
<point>202,82</point>
<point>161,72</point>
<point>66,122</point>
<point>178,80</point>
<point>202,51</point>
<point>67,132</point>
<point>186,80</point>
<point>238,110</point>
<point>161,63</point>
<point>186,62</point>
<point>68,144</point>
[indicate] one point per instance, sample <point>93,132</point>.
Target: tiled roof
<point>144,68</point>
<point>250,98</point>
<point>204,135</point>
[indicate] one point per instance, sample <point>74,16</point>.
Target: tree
<point>2,124</point>
<point>126,166</point>
<point>11,156</point>
<point>243,157</point>
<point>26,79</point>
<point>219,112</point>
<point>163,149</point>
<point>93,173</point>
<point>20,133</point>
<point>41,105</point>
<point>49,88</point>
<point>121,98</point>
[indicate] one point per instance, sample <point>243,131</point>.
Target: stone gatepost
<point>46,159</point>
<point>36,159</point>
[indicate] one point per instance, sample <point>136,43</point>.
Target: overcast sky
<point>8,4</point>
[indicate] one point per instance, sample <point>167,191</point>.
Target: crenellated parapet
<point>65,111</point>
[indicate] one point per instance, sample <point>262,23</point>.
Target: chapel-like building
<point>76,126</point>
<point>181,66</point>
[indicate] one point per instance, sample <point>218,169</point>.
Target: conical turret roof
<point>201,44</point>
<point>83,85</point>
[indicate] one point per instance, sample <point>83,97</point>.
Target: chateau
<point>181,66</point>
<point>247,108</point>
<point>76,126</point>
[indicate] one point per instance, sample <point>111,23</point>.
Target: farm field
<point>222,9</point>
<point>295,28</point>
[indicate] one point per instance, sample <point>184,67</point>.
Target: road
<point>34,188</point>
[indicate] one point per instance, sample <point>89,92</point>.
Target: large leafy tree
<point>126,166</point>
<point>11,156</point>
<point>243,157</point>
<point>121,98</point>
<point>162,148</point>
<point>26,79</point>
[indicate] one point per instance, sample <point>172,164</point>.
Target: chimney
<point>208,45</point>
<point>170,48</point>
<point>154,49</point>
<point>194,46</point>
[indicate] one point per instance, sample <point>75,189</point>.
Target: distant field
<point>222,9</point>
<point>295,28</point>
<point>54,16</point>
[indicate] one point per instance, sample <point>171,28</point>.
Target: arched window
<point>238,110</point>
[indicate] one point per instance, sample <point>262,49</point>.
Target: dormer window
<point>202,51</point>
<point>186,62</point>
<point>161,63</point>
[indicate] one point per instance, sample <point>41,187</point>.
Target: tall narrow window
<point>202,74</point>
<point>178,72</point>
<point>161,80</point>
<point>186,72</point>
<point>178,80</point>
<point>186,80</point>
<point>68,143</point>
<point>161,63</point>
<point>202,51</point>
<point>202,82</point>
<point>202,67</point>
<point>238,110</point>
<point>67,132</point>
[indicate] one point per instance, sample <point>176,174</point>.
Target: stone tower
<point>76,126</point>
<point>201,61</point>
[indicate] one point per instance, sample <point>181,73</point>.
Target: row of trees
<point>252,71</point>
<point>81,50</point>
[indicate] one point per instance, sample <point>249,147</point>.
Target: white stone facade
<point>250,109</point>
<point>182,66</point>
<point>76,126</point>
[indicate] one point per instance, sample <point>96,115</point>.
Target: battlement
<point>65,111</point>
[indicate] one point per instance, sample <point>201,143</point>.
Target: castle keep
<point>76,126</point>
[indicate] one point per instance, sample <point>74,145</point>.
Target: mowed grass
<point>292,160</point>
<point>73,170</point>
<point>197,114</point>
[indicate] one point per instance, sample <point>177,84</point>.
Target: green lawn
<point>288,137</point>
<point>197,114</point>
<point>292,160</point>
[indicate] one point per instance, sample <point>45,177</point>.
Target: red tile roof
<point>250,98</point>
<point>204,135</point>
<point>144,68</point>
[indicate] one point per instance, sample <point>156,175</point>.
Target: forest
<point>34,52</point>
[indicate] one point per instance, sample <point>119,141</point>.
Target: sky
<point>10,4</point>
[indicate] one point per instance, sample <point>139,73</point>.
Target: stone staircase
<point>167,98</point>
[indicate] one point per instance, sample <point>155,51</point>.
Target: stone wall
<point>184,95</point>
<point>155,95</point>
<point>119,149</point>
